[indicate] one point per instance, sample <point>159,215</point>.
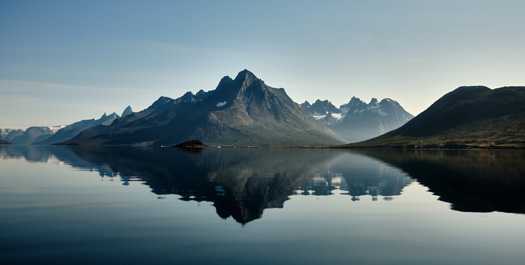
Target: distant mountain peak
<point>306,105</point>
<point>127,111</point>
<point>200,93</point>
<point>321,107</point>
<point>161,102</point>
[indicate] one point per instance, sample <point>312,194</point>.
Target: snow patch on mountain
<point>381,112</point>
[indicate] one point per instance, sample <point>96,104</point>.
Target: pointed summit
<point>127,111</point>
<point>245,74</point>
<point>246,78</point>
<point>243,111</point>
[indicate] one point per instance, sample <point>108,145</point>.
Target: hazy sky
<point>63,61</point>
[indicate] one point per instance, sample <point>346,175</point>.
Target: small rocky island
<point>191,144</point>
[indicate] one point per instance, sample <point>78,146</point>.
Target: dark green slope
<point>465,117</point>
<point>241,111</point>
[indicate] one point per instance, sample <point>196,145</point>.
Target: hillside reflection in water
<point>241,183</point>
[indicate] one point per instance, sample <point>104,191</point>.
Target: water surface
<point>121,205</point>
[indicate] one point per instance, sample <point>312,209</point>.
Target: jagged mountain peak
<point>247,79</point>
<point>161,102</point>
<point>306,105</point>
<point>127,111</point>
<point>240,111</point>
<point>245,75</point>
<point>352,104</point>
<point>112,115</point>
<point>200,93</point>
<point>322,107</point>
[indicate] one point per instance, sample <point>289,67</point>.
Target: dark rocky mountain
<point>320,107</point>
<point>72,130</point>
<point>466,117</point>
<point>356,120</point>
<point>4,142</point>
<point>240,111</point>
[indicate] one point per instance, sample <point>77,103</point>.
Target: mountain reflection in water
<point>471,180</point>
<point>241,183</point>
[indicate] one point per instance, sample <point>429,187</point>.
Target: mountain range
<point>29,135</point>
<point>44,135</point>
<point>246,112</point>
<point>240,111</point>
<point>356,120</point>
<point>467,117</point>
<point>72,130</point>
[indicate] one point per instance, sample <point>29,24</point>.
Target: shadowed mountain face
<point>4,142</point>
<point>467,116</point>
<point>240,111</point>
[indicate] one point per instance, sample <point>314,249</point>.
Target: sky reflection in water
<point>294,206</point>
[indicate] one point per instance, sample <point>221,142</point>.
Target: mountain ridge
<point>356,120</point>
<point>240,111</point>
<point>72,130</point>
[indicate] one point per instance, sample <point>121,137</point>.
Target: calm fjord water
<point>116,205</point>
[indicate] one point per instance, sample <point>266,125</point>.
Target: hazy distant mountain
<point>10,134</point>
<point>240,111</point>
<point>363,121</point>
<point>127,111</point>
<point>31,135</point>
<point>320,108</point>
<point>467,116</point>
<point>356,120</point>
<point>72,130</point>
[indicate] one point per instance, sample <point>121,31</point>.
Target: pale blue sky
<point>63,61</point>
